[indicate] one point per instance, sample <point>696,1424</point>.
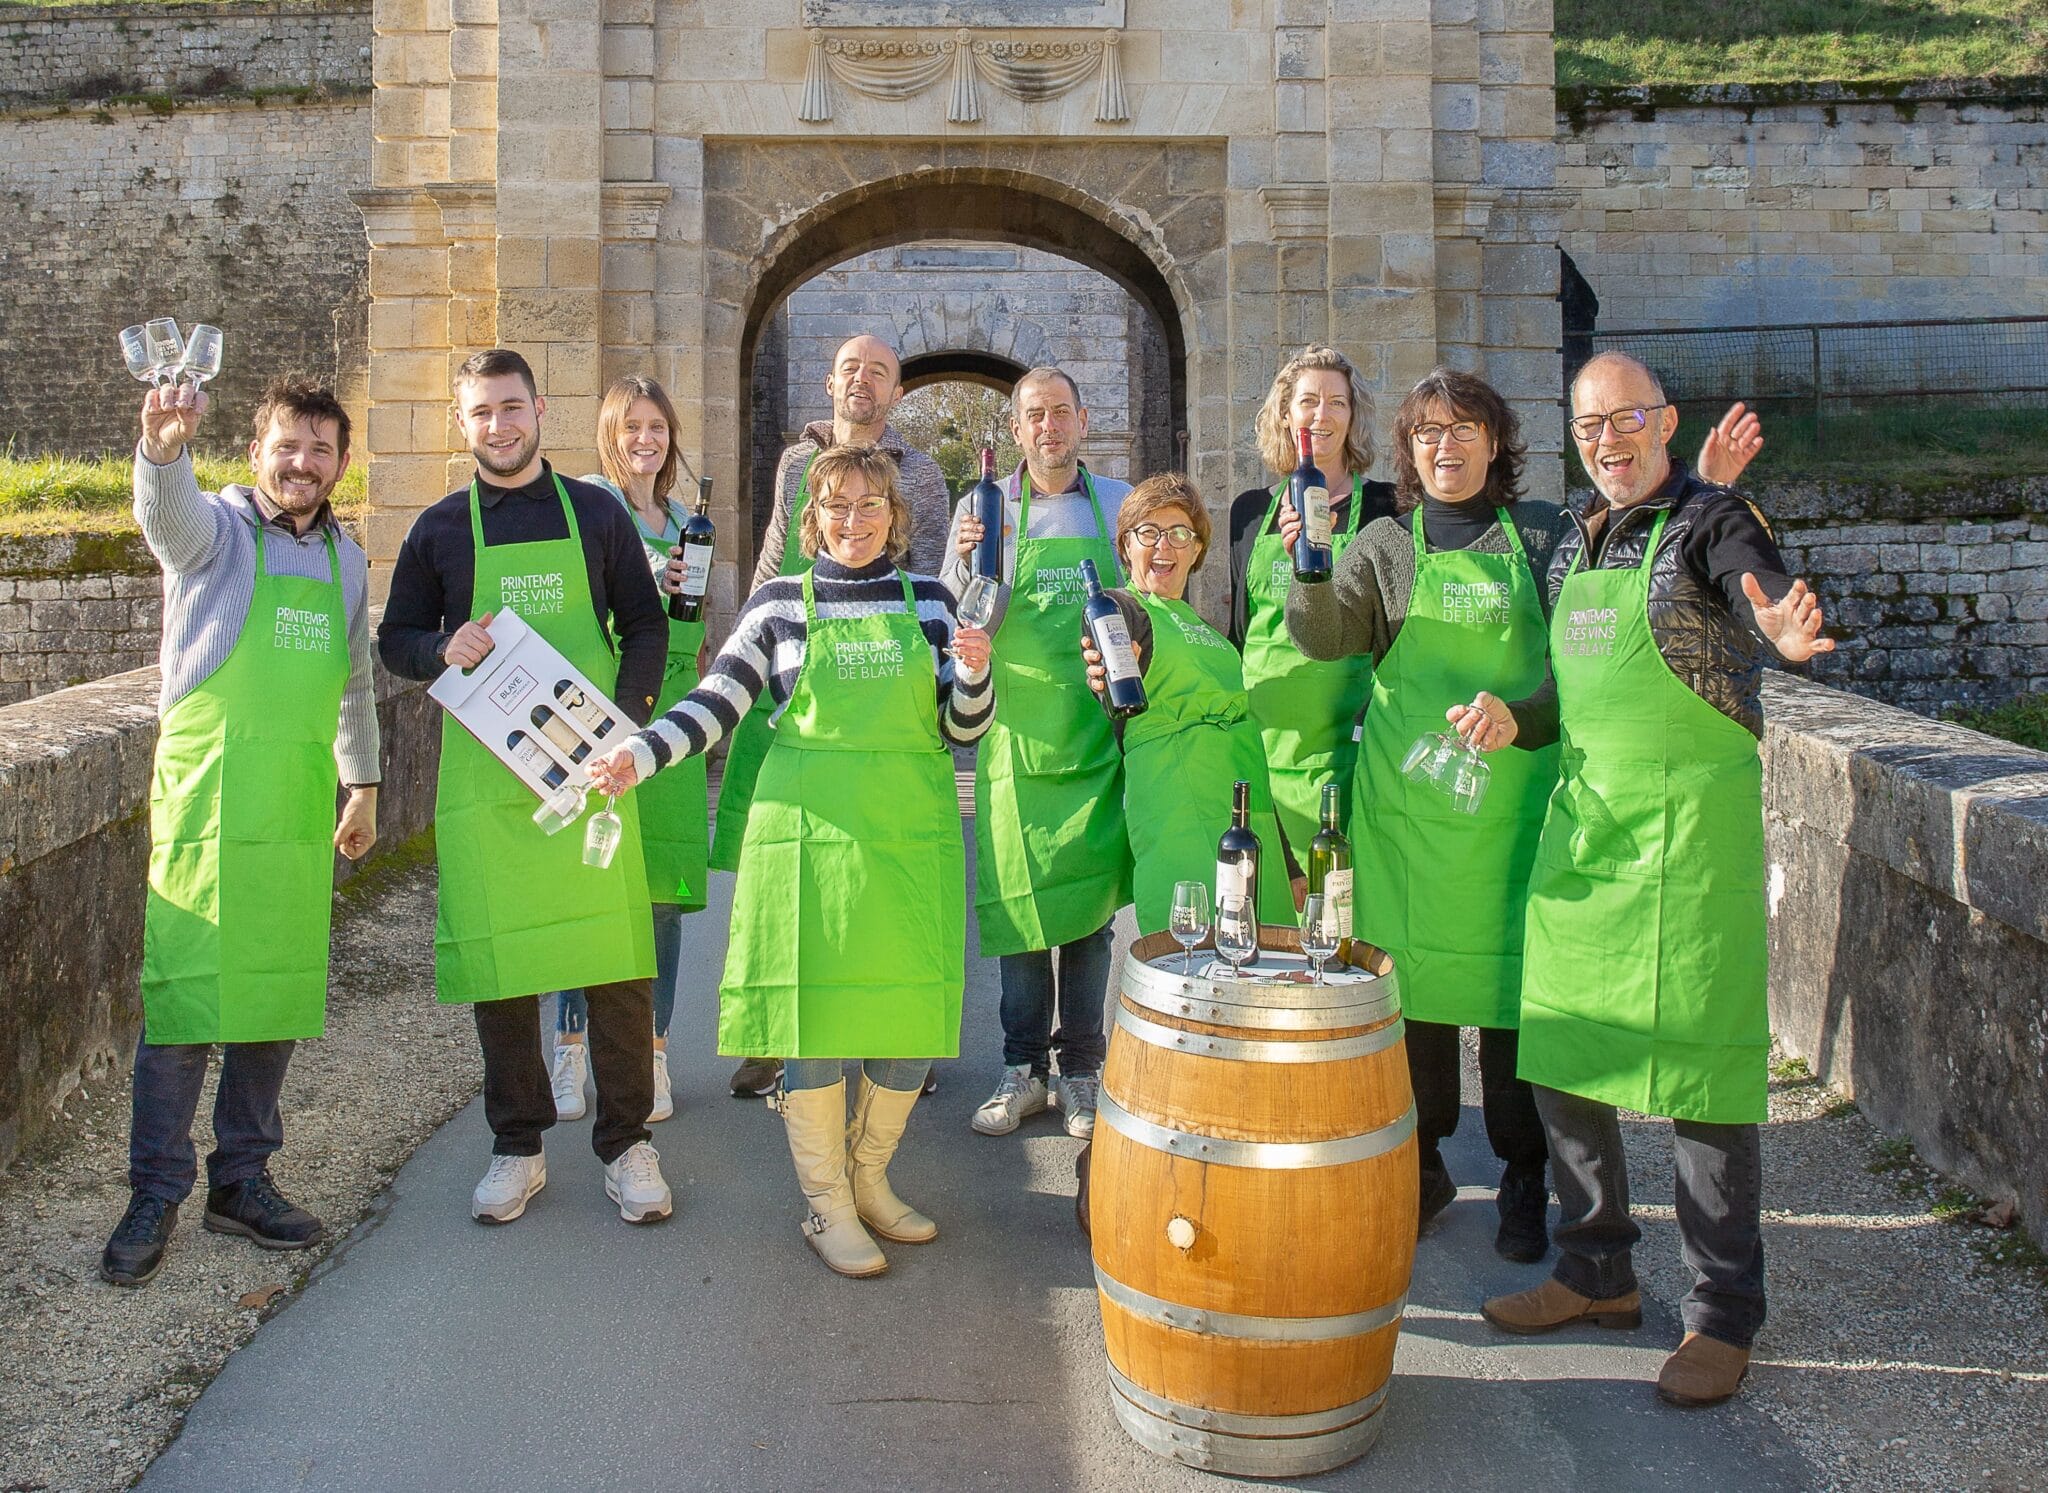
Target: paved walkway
<point>569,1350</point>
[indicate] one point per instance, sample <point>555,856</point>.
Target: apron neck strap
<point>476,512</point>
<point>1501,516</point>
<point>263,565</point>
<point>1088,487</point>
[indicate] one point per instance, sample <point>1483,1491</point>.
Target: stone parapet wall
<point>1739,207</point>
<point>102,51</point>
<point>1909,938</point>
<point>74,856</point>
<point>74,608</point>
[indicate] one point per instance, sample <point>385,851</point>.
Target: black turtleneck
<point>1456,526</point>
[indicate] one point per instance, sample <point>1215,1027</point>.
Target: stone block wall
<point>73,608</point>
<point>1739,207</point>
<point>99,51</point>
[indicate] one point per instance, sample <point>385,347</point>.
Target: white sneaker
<point>633,1181</point>
<point>501,1196</point>
<point>664,1096</point>
<point>1074,1098</point>
<point>1021,1093</point>
<point>572,1067</point>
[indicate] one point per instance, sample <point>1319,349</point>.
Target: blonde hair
<point>829,473</point>
<point>1275,427</point>
<point>1167,490</point>
<point>611,420</point>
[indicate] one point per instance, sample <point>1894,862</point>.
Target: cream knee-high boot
<point>879,1116</point>
<point>816,1122</point>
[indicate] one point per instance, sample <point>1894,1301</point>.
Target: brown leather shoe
<point>1704,1371</point>
<point>1554,1304</point>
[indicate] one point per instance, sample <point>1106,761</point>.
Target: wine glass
<point>1427,757</point>
<point>1190,918</point>
<point>1237,932</point>
<point>977,606</point>
<point>166,347</point>
<point>138,355</point>
<point>1318,933</point>
<point>562,808</point>
<point>601,837</point>
<point>202,355</point>
<point>1469,778</point>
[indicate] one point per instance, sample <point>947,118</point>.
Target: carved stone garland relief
<point>899,69</point>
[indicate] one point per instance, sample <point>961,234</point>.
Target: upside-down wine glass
<point>601,837</point>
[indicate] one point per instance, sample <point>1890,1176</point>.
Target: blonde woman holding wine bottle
<point>636,447</point>
<point>849,914</point>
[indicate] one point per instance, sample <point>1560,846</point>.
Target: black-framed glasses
<point>1180,536</point>
<point>1464,432</point>
<point>1624,422</point>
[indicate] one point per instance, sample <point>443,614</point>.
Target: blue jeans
<point>884,1073</point>
<point>1031,996</point>
<point>572,1011</point>
<point>247,1127</point>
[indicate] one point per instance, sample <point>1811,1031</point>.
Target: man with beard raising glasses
<point>519,911</point>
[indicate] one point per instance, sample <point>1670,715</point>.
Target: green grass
<point>1791,1070</point>
<point>1798,41</point>
<point>56,494</point>
<point>2023,721</point>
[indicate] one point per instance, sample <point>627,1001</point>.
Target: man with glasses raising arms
<point>1644,965</point>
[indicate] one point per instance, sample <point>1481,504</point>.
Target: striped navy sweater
<point>768,644</point>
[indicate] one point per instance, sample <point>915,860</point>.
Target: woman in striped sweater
<point>849,916</point>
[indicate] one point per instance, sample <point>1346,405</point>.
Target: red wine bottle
<point>1125,696</point>
<point>988,507</point>
<point>1310,495</point>
<point>687,603</point>
<point>1237,853</point>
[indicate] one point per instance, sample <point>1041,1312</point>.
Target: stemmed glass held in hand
<point>1237,932</point>
<point>202,355</point>
<point>1453,765</point>
<point>1190,918</point>
<point>601,837</point>
<point>977,606</point>
<point>1318,933</point>
<point>139,355</point>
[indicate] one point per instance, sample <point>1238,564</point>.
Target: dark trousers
<point>1513,1127</point>
<point>1035,987</point>
<point>1720,1213</point>
<point>517,1099</point>
<point>247,1127</point>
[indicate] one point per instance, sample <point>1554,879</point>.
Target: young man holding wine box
<point>519,911</point>
<point>1043,902</point>
<point>267,704</point>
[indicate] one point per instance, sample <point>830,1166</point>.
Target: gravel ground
<point>1905,1347</point>
<point>95,1380</point>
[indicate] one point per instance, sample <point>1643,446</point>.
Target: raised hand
<point>1487,722</point>
<point>170,419</point>
<point>1731,445</point>
<point>1792,624</point>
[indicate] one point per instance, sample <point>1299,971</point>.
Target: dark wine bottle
<point>1125,696</point>
<point>1310,495</point>
<point>528,751</point>
<point>988,507</point>
<point>1237,853</point>
<point>1329,869</point>
<point>687,604</point>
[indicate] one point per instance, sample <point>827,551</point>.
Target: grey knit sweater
<point>922,483</point>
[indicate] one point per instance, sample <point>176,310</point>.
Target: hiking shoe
<point>1554,1304</point>
<point>756,1078</point>
<point>1021,1094</point>
<point>632,1179</point>
<point>136,1251</point>
<point>664,1096</point>
<point>256,1210</point>
<point>1074,1097</point>
<point>1522,1200</point>
<point>572,1068</point>
<point>503,1193</point>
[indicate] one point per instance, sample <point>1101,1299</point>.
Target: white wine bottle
<point>1329,869</point>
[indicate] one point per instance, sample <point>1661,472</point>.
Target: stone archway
<point>957,365</point>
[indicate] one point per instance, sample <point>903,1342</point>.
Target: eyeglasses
<point>839,513</point>
<point>1180,536</point>
<point>1465,432</point>
<point>1625,422</point>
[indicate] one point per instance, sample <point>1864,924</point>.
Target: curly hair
<point>1274,426</point>
<point>1167,490</point>
<point>829,473</point>
<point>1468,397</point>
<point>297,397</point>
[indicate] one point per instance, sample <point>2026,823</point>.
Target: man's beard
<point>296,506</point>
<point>507,466</point>
<point>845,409</point>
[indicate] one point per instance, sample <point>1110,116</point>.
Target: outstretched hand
<point>170,419</point>
<point>1731,445</point>
<point>1487,722</point>
<point>1792,624</point>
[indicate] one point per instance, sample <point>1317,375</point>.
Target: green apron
<point>849,921</point>
<point>1644,979</point>
<point>520,913</point>
<point>241,826</point>
<point>750,739</point>
<point>674,818</point>
<point>1051,864</point>
<point>1194,740</point>
<point>1445,892</point>
<point>1305,707</point>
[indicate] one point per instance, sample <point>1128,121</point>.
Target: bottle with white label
<point>687,604</point>
<point>1125,696</point>
<point>561,733</point>
<point>1310,495</point>
<point>1237,853</point>
<point>1329,868</point>
<point>585,709</point>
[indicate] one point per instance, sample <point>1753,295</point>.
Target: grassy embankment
<point>52,494</point>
